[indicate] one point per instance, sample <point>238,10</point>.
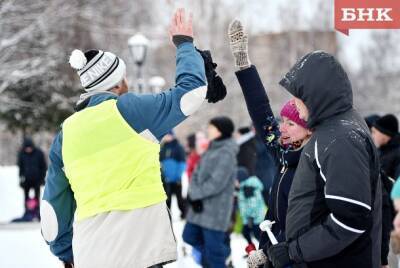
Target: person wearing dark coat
<point>32,168</point>
<point>284,142</point>
<point>334,216</point>
<point>266,167</point>
<point>385,132</point>
<point>172,159</point>
<point>371,119</point>
<point>387,139</point>
<point>247,156</point>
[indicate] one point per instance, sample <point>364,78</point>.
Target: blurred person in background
<point>385,132</point>
<point>192,155</point>
<point>247,156</point>
<point>266,167</point>
<point>387,139</point>
<point>172,157</point>
<point>197,144</point>
<point>371,119</point>
<point>202,142</point>
<point>210,195</point>
<point>251,206</point>
<point>32,172</point>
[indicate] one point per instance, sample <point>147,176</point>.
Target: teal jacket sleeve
<point>156,114</point>
<point>58,206</point>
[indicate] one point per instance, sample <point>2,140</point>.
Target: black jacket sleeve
<point>258,106</point>
<point>344,165</point>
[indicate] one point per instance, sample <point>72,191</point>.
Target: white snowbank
<point>22,247</point>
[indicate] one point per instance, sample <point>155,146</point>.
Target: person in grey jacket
<point>334,216</point>
<point>210,195</point>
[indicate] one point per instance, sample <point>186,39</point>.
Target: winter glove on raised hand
<point>279,255</point>
<point>239,44</point>
<point>216,89</point>
<point>197,205</point>
<point>256,258</point>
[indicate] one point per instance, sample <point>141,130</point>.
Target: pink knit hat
<point>289,110</point>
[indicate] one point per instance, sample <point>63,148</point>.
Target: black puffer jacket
<point>334,215</point>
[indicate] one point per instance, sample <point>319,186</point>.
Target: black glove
<point>216,89</point>
<point>197,205</point>
<point>279,255</point>
<point>68,265</point>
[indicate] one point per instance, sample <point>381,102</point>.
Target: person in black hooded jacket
<point>385,132</point>
<point>284,142</point>
<point>387,139</point>
<point>32,168</point>
<point>334,215</point>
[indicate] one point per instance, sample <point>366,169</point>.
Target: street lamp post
<point>138,45</point>
<point>156,84</point>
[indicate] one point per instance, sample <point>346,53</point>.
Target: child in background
<point>251,206</point>
<point>32,211</point>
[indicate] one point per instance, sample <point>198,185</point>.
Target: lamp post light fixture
<point>138,45</point>
<point>156,84</point>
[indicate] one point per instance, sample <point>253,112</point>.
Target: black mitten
<point>197,205</point>
<point>279,255</point>
<point>216,89</point>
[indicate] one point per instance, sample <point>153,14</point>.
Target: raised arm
<point>256,98</point>
<point>158,113</point>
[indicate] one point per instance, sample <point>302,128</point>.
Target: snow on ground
<point>22,246</point>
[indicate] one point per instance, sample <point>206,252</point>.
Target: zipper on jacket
<point>283,172</point>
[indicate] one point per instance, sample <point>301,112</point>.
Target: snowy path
<point>22,246</point>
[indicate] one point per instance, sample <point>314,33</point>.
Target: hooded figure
<point>334,214</point>
<point>32,168</point>
<point>385,132</point>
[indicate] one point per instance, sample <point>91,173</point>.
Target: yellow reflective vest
<point>109,166</point>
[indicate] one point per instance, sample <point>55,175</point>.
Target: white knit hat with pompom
<point>98,70</point>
